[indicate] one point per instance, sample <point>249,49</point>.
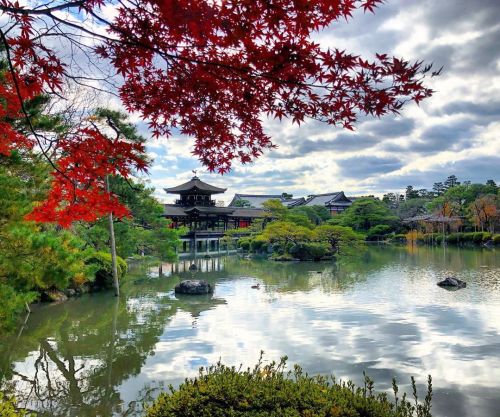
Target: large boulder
<point>193,287</point>
<point>452,282</point>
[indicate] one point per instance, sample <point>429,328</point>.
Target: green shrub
<point>282,257</point>
<point>8,408</point>
<point>102,264</point>
<point>257,244</point>
<point>12,304</point>
<point>309,251</point>
<point>487,236</point>
<point>496,239</point>
<point>277,248</point>
<point>244,243</point>
<point>269,391</point>
<point>454,238</point>
<point>398,238</point>
<point>430,238</point>
<point>480,237</point>
<point>378,231</point>
<point>468,237</point>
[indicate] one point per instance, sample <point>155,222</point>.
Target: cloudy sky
<point>457,131</point>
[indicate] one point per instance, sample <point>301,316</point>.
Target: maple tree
<point>485,211</point>
<point>211,69</point>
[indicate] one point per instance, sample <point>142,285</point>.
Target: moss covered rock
<point>103,266</point>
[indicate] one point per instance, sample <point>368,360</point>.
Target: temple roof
<point>246,212</point>
<point>208,210</point>
<point>431,218</point>
<point>328,199</point>
<point>256,200</point>
<point>172,210</point>
<point>195,185</point>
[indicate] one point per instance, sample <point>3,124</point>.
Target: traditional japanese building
<point>256,200</point>
<point>335,202</point>
<point>207,222</point>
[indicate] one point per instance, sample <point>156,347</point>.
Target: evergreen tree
<point>366,213</point>
<point>451,182</point>
<point>438,188</point>
<point>410,193</point>
<point>241,203</point>
<point>492,184</point>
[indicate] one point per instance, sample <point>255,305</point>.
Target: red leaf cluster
<point>211,69</point>
<point>78,190</point>
<point>10,110</point>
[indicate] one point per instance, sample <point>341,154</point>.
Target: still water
<point>381,312</point>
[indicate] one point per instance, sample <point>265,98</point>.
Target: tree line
<point>473,206</point>
<point>462,211</point>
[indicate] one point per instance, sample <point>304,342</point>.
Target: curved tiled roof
<point>233,212</point>
<point>256,200</point>
<point>195,184</point>
<point>336,198</point>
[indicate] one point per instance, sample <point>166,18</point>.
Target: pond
<point>380,312</point>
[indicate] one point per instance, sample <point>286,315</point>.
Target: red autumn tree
<point>211,69</point>
<point>485,212</point>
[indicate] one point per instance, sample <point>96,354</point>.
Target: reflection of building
<point>206,221</point>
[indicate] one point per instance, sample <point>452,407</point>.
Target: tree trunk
<point>113,246</point>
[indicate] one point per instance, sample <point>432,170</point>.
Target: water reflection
<point>382,313</point>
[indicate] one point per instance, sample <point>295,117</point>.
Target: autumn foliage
<point>211,69</point>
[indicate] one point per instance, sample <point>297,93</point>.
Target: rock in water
<point>54,296</point>
<point>452,282</point>
<point>193,286</point>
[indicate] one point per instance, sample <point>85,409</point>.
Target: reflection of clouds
<point>382,313</point>
<point>393,322</point>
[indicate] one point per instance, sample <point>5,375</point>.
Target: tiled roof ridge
<point>320,195</point>
<point>258,195</point>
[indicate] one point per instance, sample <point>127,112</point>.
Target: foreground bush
<point>267,391</point>
<point>496,239</point>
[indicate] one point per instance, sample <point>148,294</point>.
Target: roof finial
<point>194,171</point>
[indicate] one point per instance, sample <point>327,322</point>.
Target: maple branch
<point>41,11</point>
<point>23,107</point>
<point>134,42</point>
